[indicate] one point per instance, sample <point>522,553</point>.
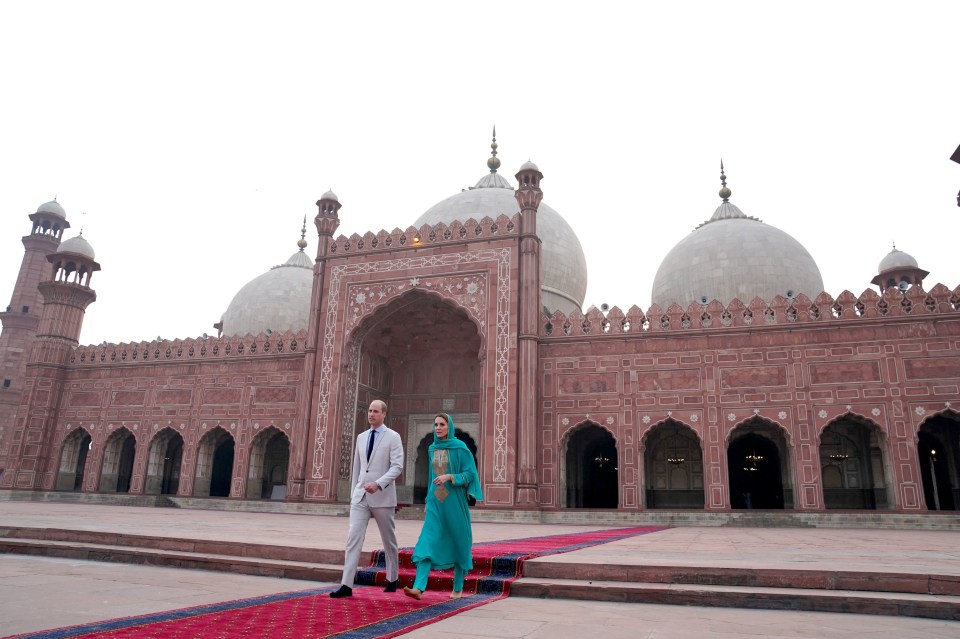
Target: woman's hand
<point>441,479</point>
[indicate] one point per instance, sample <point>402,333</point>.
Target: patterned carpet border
<point>366,615</point>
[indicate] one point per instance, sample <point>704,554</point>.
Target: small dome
<point>734,256</point>
<point>77,245</point>
<point>563,267</point>
<point>53,208</point>
<point>529,166</point>
<point>278,300</point>
<point>897,259</point>
<point>330,195</point>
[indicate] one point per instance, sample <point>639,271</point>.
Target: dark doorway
<point>592,477</point>
<point>81,461</point>
<point>935,469</point>
<point>422,468</point>
<point>172,460</point>
<point>222,471</point>
<point>125,467</point>
<point>755,481</point>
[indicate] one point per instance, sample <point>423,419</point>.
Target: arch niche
<point>163,463</point>
<point>938,453</point>
<point>118,457</point>
<point>269,462</point>
<point>422,354</point>
<point>853,465</point>
<point>215,456</point>
<point>758,466</point>
<point>73,460</point>
<point>590,468</point>
<point>673,467</point>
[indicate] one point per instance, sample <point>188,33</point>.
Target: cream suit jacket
<point>385,465</point>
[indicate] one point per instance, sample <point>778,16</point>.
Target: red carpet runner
<point>368,614</point>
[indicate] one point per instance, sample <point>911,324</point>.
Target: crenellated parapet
<point>847,307</point>
<point>191,349</point>
<point>426,235</point>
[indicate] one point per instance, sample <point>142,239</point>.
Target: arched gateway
<point>421,354</point>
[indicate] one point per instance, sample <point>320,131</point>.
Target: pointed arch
<point>215,457</point>
<point>938,454</point>
<point>269,465</point>
<point>673,466</point>
<point>589,470</point>
<point>164,462</point>
<point>119,453</point>
<point>854,464</point>
<point>73,459</point>
<point>759,465</point>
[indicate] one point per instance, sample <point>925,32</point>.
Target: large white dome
<point>278,300</point>
<point>735,256</point>
<point>563,267</point>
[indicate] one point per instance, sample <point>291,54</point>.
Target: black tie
<point>370,444</point>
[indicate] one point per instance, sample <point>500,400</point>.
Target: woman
<point>446,538</point>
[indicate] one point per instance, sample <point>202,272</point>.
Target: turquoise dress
<point>446,539</point>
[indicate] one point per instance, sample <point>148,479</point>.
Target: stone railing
<point>426,235</point>
<point>201,348</point>
<point>914,303</point>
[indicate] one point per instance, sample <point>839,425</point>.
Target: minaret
<point>66,296</point>
<point>22,314</point>
<point>327,221</point>
<point>528,197</point>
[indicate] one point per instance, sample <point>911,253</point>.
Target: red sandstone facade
<point>785,404</point>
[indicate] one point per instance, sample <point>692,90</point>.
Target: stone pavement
<point>39,593</point>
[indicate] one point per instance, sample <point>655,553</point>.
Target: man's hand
<point>372,487</point>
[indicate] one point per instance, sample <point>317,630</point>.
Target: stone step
<point>877,582</point>
<point>215,547</point>
<point>799,599</point>
<point>283,568</point>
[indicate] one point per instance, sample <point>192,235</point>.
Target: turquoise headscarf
<point>461,459</point>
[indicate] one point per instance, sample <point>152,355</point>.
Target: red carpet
<point>368,614</point>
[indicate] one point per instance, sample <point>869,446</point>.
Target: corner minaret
<point>66,296</point>
<point>22,315</point>
<point>528,196</point>
<point>898,270</point>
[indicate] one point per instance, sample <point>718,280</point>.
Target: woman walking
<point>446,539</point>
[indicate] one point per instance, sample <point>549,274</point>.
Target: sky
<point>189,139</point>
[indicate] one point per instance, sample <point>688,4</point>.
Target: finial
<point>724,191</point>
<point>303,234</point>
<point>81,226</point>
<point>493,162</point>
<point>894,246</point>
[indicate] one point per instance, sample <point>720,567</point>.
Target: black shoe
<point>345,591</point>
<point>392,586</point>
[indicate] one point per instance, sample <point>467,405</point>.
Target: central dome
<point>733,256</point>
<point>563,267</point>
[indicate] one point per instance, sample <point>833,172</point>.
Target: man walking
<point>377,462</point>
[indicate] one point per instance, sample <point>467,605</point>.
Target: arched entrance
<point>758,463</point>
<point>118,456</point>
<point>422,463</point>
<point>938,452</point>
<point>673,467</point>
<point>73,460</point>
<point>592,480</point>
<point>422,355</point>
<point>269,461</point>
<point>214,464</point>
<point>852,465</point>
<point>163,463</point>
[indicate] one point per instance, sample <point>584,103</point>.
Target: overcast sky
<point>195,136</point>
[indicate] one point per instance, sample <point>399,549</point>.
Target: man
<point>377,462</point>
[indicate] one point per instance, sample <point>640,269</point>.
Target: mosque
<point>743,386</point>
